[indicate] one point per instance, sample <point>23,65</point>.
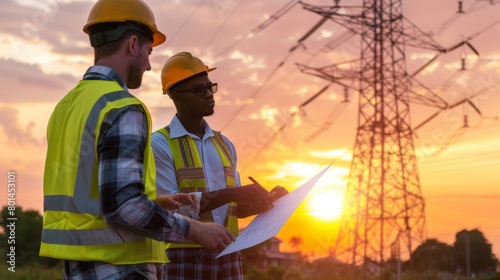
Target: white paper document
<point>268,224</point>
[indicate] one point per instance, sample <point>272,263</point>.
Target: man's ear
<point>133,44</point>
<point>173,96</point>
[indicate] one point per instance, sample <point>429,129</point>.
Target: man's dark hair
<point>110,48</point>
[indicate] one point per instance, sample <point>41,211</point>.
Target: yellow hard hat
<point>122,11</point>
<point>180,67</point>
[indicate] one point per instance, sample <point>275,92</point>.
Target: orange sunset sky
<point>44,52</point>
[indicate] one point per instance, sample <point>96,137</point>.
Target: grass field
<point>30,273</point>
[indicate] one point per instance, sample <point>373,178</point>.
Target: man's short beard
<point>134,78</point>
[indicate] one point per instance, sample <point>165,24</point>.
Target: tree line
<point>471,254</point>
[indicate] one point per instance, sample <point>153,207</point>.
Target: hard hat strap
<point>115,34</point>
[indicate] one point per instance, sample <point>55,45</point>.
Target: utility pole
<point>467,255</point>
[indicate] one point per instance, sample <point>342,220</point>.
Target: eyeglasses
<point>200,89</point>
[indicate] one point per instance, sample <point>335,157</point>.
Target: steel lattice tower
<point>383,205</point>
<point>383,196</point>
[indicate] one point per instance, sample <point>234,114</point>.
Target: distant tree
<point>256,274</point>
<point>432,255</point>
<point>24,233</point>
<point>331,251</point>
<point>276,272</point>
<point>481,256</point>
<point>295,241</point>
<point>495,276</point>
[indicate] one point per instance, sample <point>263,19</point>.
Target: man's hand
<point>212,236</point>
<point>277,192</point>
<point>251,199</point>
<point>255,195</point>
<point>246,210</point>
<point>172,202</point>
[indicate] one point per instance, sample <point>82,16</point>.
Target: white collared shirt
<point>166,182</point>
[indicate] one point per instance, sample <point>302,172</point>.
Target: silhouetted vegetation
<point>471,252</point>
<point>432,255</point>
<point>22,233</point>
<point>473,243</point>
<point>251,257</point>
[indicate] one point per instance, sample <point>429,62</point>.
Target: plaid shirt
<point>120,148</point>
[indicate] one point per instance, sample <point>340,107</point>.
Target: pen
<point>253,180</point>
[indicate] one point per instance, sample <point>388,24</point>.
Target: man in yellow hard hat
<point>101,213</point>
<point>192,158</point>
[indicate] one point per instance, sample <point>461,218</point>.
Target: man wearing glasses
<point>190,157</point>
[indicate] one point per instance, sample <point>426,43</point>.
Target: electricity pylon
<point>383,205</point>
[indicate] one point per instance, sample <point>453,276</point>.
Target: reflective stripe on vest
<point>73,224</point>
<point>190,176</point>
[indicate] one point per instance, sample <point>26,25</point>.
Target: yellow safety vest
<point>190,176</point>
<point>73,222</point>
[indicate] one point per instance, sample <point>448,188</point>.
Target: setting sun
<point>326,205</point>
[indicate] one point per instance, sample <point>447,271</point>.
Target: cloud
<point>55,23</point>
<point>14,131</point>
<point>23,83</point>
<point>267,114</point>
<point>342,154</point>
<point>12,12</point>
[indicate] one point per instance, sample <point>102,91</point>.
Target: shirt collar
<point>178,130</point>
<point>100,72</point>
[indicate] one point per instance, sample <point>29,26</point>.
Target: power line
<point>453,164</point>
<point>253,96</point>
<point>172,37</point>
<point>300,43</point>
<point>274,17</point>
<point>460,13</point>
<point>453,196</point>
<point>284,125</point>
<point>332,118</point>
<point>226,19</point>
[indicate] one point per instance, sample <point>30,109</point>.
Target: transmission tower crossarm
<point>415,37</point>
<point>425,65</point>
<point>467,40</point>
<point>456,104</point>
<point>313,29</point>
<point>352,21</point>
<point>474,107</point>
<point>456,46</point>
<point>468,101</point>
<point>314,96</point>
<point>331,10</point>
<point>331,73</point>
<point>427,98</point>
